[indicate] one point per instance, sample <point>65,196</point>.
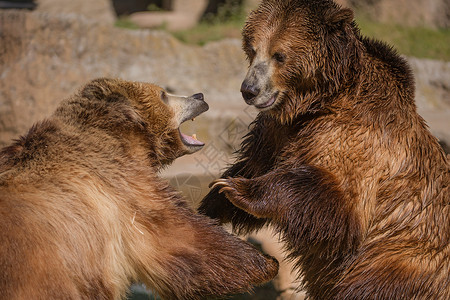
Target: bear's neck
<point>391,73</point>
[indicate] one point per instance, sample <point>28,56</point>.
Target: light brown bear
<point>338,160</point>
<point>83,212</point>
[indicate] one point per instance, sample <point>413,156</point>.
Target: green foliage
<point>206,32</point>
<point>230,11</point>
<point>124,22</point>
<point>228,22</point>
<point>154,7</point>
<point>411,41</point>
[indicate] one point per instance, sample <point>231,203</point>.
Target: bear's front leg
<point>305,203</point>
<point>216,205</point>
<point>247,194</point>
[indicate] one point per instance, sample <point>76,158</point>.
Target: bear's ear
<point>336,19</point>
<point>105,89</point>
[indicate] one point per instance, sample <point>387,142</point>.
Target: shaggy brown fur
<point>83,213</point>
<point>338,159</point>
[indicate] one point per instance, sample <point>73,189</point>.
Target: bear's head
<point>142,112</point>
<point>300,52</point>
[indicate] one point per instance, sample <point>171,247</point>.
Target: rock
<point>98,10</point>
<point>185,14</point>
<point>46,57</point>
<point>433,94</point>
<point>431,13</point>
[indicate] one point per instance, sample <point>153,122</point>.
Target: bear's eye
<point>251,52</point>
<point>279,57</point>
<point>251,55</point>
<point>164,97</point>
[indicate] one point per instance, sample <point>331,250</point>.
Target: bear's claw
<point>224,185</point>
<point>219,182</point>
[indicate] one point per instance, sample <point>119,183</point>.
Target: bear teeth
<point>194,136</point>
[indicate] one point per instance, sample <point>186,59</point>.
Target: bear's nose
<point>249,92</point>
<point>198,96</point>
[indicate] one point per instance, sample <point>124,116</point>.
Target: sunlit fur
<point>83,213</point>
<point>342,165</point>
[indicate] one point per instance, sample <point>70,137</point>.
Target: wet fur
<point>343,166</point>
<point>83,213</point>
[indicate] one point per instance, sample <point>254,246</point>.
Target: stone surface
<point>94,10</point>
<point>185,14</point>
<point>430,13</point>
<point>433,94</point>
<point>45,58</point>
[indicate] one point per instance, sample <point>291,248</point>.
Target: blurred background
<point>50,48</point>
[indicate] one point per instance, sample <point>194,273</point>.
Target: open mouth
<point>187,108</point>
<point>191,141</point>
<point>269,103</point>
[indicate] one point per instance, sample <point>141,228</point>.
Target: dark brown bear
<point>83,212</point>
<point>338,160</point>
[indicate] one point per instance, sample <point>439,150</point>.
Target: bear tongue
<point>191,140</point>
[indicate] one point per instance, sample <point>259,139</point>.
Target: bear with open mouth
<point>83,212</point>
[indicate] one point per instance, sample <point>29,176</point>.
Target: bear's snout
<point>249,92</point>
<point>257,88</point>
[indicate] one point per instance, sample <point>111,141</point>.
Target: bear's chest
<point>331,145</point>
